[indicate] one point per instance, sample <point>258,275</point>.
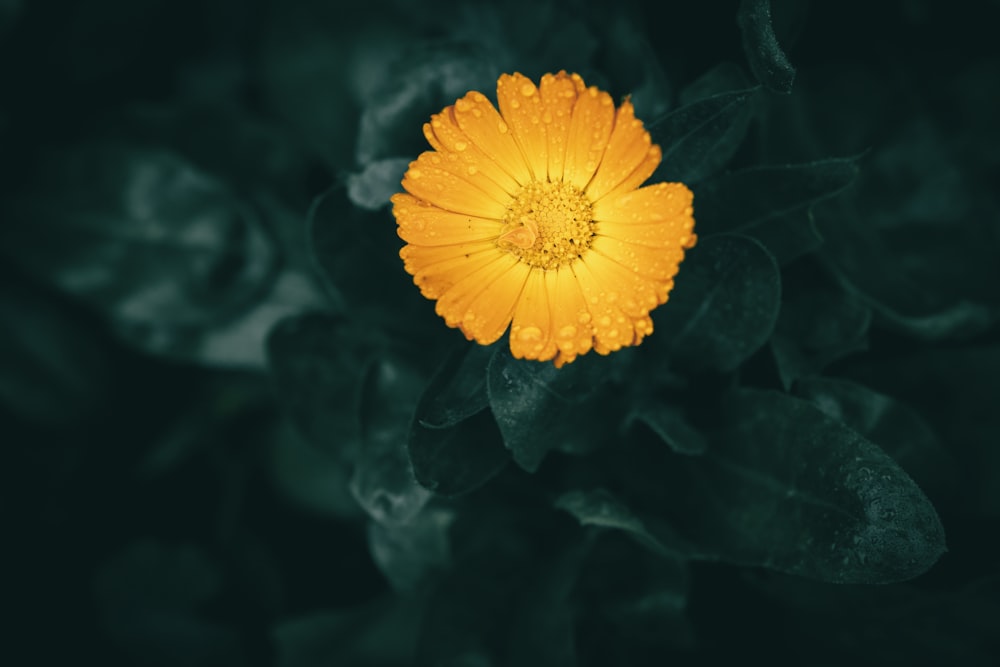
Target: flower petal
<point>424,224</point>
<point>478,118</point>
<point>490,313</point>
<point>444,134</point>
<point>638,176</point>
<point>659,264</point>
<point>436,269</point>
<point>559,93</point>
<point>446,190</point>
<point>521,106</point>
<point>627,148</point>
<point>455,303</point>
<point>531,335</point>
<point>589,131</point>
<point>660,202</point>
<point>613,329</point>
<point>571,320</point>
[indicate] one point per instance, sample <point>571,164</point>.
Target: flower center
<point>547,224</point>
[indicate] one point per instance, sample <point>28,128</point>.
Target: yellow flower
<point>534,214</point>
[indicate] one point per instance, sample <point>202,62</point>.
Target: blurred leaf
<point>56,368</point>
<point>895,427</point>
<point>539,407</point>
<point>161,249</point>
<point>318,363</point>
<point>768,61</point>
<point>819,324</point>
<point>408,553</point>
<point>458,390</point>
<point>357,251</point>
<point>740,200</point>
<point>724,306</point>
<point>669,425</point>
<point>601,509</point>
<point>383,481</point>
<point>698,139</point>
<point>722,78</point>
<point>785,487</point>
<point>458,459</point>
<point>381,633</point>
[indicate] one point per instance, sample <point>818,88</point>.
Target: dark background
<point>180,182</point>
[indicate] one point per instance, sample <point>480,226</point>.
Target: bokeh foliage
<point>237,434</point>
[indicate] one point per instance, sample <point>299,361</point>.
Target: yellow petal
<point>531,335</point>
<point>490,313</point>
<point>589,131</point>
<point>613,329</point>
<point>660,202</point>
<point>435,269</point>
<point>559,93</point>
<point>571,320</point>
<point>628,146</point>
<point>658,264</point>
<point>444,134</point>
<point>446,190</point>
<point>424,224</point>
<point>638,176</point>
<point>478,118</point>
<point>521,106</point>
<point>454,305</point>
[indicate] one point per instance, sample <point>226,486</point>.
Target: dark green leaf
<point>895,427</point>
<point>669,425</point>
<point>458,390</point>
<point>820,323</point>
<point>318,363</point>
<point>698,139</point>
<point>767,60</point>
<point>740,200</point>
<point>383,481</point>
<point>785,487</point>
<point>722,78</point>
<point>539,407</point>
<point>724,306</point>
<point>455,460</point>
<point>407,554</point>
<point>601,509</point>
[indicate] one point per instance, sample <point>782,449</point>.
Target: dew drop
<point>415,173</point>
<point>514,104</point>
<point>583,317</point>
<point>547,117</point>
<point>613,333</point>
<point>477,113</point>
<point>529,334</point>
<point>567,331</point>
<point>527,90</point>
<point>605,321</point>
<point>461,145</point>
<point>502,127</point>
<point>612,297</point>
<point>472,170</point>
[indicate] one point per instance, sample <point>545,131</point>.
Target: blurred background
<point>210,356</point>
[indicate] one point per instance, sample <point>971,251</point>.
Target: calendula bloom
<point>535,214</point>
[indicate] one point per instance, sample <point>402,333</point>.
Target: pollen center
<point>547,224</point>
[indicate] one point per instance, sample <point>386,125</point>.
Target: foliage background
<point>234,433</point>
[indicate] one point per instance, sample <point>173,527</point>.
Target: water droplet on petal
<point>415,173</point>
<point>514,104</point>
<point>527,90</point>
<point>583,317</point>
<point>472,170</point>
<point>461,145</point>
<point>502,127</point>
<point>605,321</point>
<point>529,334</point>
<point>567,331</point>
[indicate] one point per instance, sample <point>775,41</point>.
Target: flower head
<point>535,215</point>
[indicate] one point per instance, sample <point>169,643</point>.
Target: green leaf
<point>786,487</point>
<point>669,425</point>
<point>740,200</point>
<point>698,139</point>
<point>601,509</point>
<point>724,306</point>
<point>408,554</point>
<point>458,390</point>
<point>820,323</point>
<point>458,459</point>
<point>722,78</point>
<point>539,407</point>
<point>895,427</point>
<point>768,61</point>
<point>318,363</point>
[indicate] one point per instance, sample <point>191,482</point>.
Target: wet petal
<point>521,106</point>
<point>444,134</point>
<point>660,202</point>
<point>658,264</point>
<point>628,147</point>
<point>613,329</point>
<point>559,93</point>
<point>424,224</point>
<point>455,303</point>
<point>435,269</point>
<point>488,316</point>
<point>531,333</point>
<point>638,176</point>
<point>589,131</point>
<point>479,119</point>
<point>446,190</point>
<point>571,320</point>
